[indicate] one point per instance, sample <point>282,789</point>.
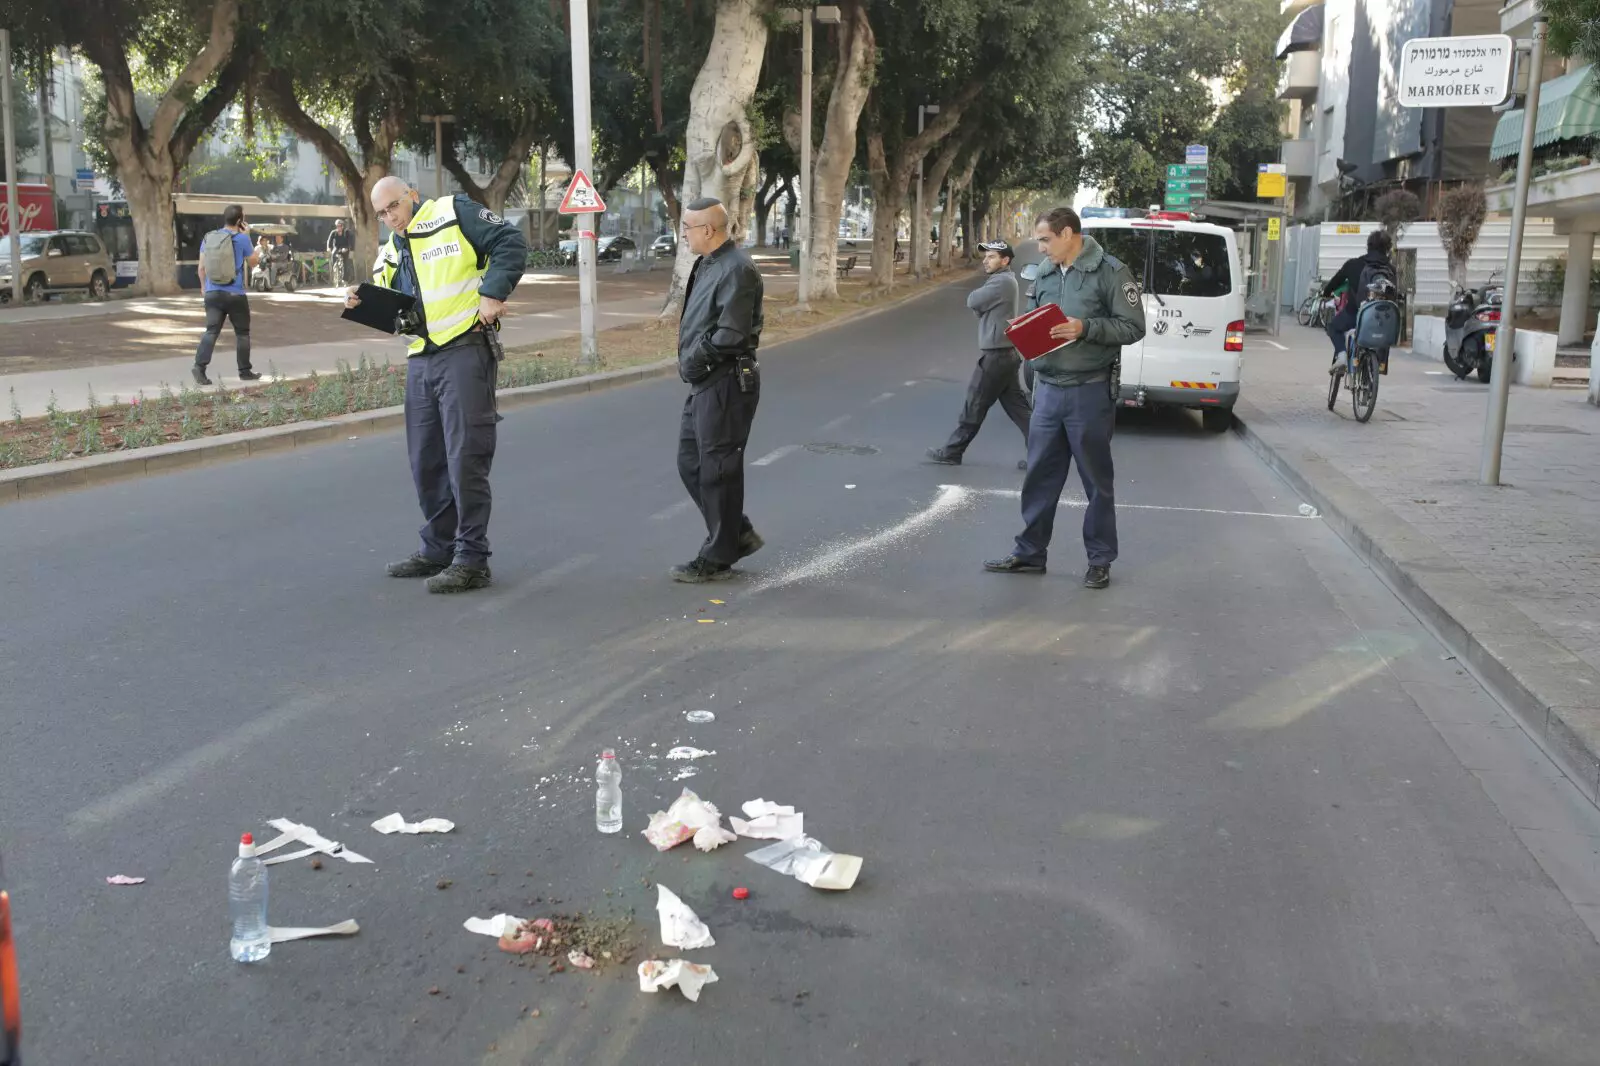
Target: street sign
<point>1456,71</point>
<point>1274,228</point>
<point>1197,155</point>
<point>1184,170</point>
<point>581,198</point>
<point>1272,180</point>
<point>1198,181</point>
<point>1183,199</point>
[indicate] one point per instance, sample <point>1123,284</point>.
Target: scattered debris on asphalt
<point>700,717</point>
<point>688,817</point>
<point>315,864</point>
<point>394,823</point>
<point>583,941</point>
<point>806,860</point>
<point>680,927</point>
<point>683,751</point>
<point>580,960</point>
<point>316,843</point>
<point>769,821</point>
<point>1309,511</point>
<point>124,879</point>
<point>286,933</point>
<point>689,977</point>
<point>443,883</point>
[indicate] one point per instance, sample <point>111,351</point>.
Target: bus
<point>198,214</point>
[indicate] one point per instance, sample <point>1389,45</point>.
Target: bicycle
<point>1311,308</point>
<point>1377,329</point>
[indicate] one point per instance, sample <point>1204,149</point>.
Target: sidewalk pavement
<point>1509,576</point>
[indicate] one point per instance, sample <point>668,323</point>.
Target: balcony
<point>1300,76</point>
<point>1516,17</point>
<point>1300,158</point>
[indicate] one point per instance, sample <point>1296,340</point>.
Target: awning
<point>1304,33</point>
<point>1569,107</point>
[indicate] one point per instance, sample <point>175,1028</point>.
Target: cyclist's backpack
<point>1371,273</point>
<point>216,255</point>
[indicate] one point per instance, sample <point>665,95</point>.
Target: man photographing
<point>717,340</point>
<point>461,261</point>
<point>995,376</point>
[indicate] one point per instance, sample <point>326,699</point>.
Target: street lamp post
<point>828,16</point>
<point>438,150</point>
<point>917,237</point>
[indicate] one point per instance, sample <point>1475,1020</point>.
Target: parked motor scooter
<point>1471,323</point>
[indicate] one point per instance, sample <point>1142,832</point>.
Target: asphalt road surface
<point>1236,809</point>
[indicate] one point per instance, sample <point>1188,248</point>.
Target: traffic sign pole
<point>583,159</point>
<point>1494,425</point>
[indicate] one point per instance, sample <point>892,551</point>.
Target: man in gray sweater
<point>995,376</point>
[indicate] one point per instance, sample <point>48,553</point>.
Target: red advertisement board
<point>34,203</point>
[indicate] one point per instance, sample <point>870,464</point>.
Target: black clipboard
<point>378,307</point>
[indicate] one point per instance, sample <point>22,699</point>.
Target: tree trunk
<point>765,198</point>
<point>885,210</point>
<point>719,144</point>
<point>932,186</point>
<point>960,185</point>
<point>668,187</point>
<point>150,158</point>
<point>858,51</point>
<point>377,126</point>
<point>494,195</point>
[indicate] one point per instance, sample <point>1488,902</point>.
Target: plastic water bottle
<point>247,905</point>
<point>608,793</point>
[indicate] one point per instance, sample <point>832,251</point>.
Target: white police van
<point>1193,346</point>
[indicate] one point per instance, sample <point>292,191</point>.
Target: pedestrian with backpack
<point>226,258</point>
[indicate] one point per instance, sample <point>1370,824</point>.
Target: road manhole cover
<point>833,448</point>
<point>1544,429</point>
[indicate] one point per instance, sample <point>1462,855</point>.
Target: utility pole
<point>1494,425</point>
<point>803,297</point>
<point>438,150</point>
<point>46,83</point>
<point>583,159</point>
<point>13,214</point>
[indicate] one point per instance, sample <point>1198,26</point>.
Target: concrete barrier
<point>1535,361</point>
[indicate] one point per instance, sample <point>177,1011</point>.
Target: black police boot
<point>750,542</point>
<point>1012,565</point>
<point>1097,577</point>
<point>418,565</point>
<point>700,570</point>
<point>943,456</point>
<point>459,578</point>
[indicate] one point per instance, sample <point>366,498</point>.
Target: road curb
<point>1554,694</point>
<point>42,479</point>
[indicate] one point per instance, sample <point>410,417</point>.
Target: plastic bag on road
<point>805,859</point>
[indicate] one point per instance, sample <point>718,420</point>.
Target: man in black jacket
<point>717,341</point>
<point>1354,275</point>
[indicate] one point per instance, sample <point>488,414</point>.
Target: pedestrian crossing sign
<point>581,198</point>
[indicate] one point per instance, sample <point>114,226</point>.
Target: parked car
<point>569,252</point>
<point>58,261</point>
<point>665,246</point>
<point>610,249</point>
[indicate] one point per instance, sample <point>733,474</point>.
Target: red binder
<point>1030,334</point>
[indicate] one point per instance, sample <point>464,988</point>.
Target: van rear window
<point>1191,264</point>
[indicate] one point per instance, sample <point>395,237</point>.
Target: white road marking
<point>776,454</point>
<point>1013,494</point>
<point>179,771</point>
<point>670,510</point>
<point>844,557</point>
<point>909,384</point>
<point>880,399</point>
<point>828,427</point>
<point>1275,344</point>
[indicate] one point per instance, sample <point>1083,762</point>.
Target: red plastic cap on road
<point>247,839</point>
<point>741,893</point>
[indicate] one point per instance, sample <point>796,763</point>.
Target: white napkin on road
<point>394,823</point>
<point>769,821</point>
<point>680,928</point>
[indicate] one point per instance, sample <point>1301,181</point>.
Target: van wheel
<point>99,287</point>
<point>1216,419</point>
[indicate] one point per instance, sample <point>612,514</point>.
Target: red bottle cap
<point>247,839</point>
<point>741,893</point>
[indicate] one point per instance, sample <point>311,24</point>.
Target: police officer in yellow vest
<point>461,261</point>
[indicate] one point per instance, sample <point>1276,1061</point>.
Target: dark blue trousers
<point>450,433</point>
<point>1070,423</point>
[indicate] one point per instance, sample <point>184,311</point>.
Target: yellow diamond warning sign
<point>581,198</point>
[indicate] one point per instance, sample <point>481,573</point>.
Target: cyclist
<point>1357,275</point>
<point>341,245</point>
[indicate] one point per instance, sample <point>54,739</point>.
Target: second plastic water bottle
<point>247,905</point>
<point>608,793</point>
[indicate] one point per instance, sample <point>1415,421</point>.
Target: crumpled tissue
<point>394,823</point>
<point>769,821</point>
<point>689,817</point>
<point>690,977</point>
<point>680,927</point>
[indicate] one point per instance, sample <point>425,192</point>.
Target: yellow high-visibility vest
<point>449,270</point>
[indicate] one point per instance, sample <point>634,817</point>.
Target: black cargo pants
<point>711,439</point>
<point>450,434</point>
